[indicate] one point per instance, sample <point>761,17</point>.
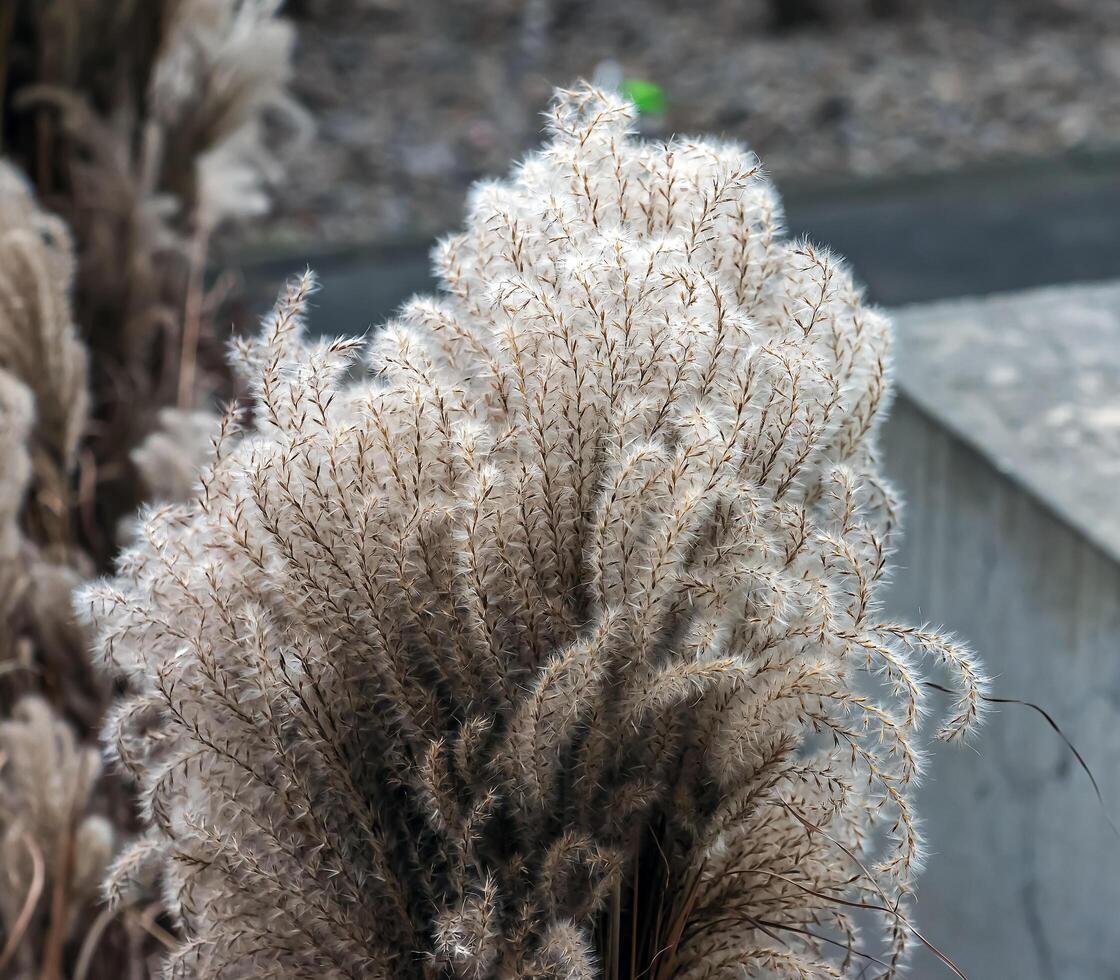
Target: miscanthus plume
<point>537,636</point>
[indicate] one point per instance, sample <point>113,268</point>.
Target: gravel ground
<point>414,99</point>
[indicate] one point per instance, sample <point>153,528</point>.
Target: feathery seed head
<point>550,647</point>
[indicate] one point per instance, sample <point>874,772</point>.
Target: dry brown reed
<point>131,131</point>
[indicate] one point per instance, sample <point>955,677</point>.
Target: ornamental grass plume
<point>142,126</point>
<point>138,129</point>
<point>538,636</point>
<point>44,410</point>
<point>59,821</point>
<point>54,852</point>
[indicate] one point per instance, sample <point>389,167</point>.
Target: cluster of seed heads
<point>537,636</point>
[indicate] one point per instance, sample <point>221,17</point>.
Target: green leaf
<point>648,97</point>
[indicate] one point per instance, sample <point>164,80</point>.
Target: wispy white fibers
<point>550,646</point>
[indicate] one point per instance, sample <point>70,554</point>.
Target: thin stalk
<point>7,20</point>
<point>34,892</point>
<point>615,938</point>
<point>60,896</point>
<point>634,894</point>
<point>192,316</point>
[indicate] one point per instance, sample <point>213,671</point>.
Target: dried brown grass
<point>131,131</point>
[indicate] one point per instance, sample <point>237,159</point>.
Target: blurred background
<point>954,130</point>
<point>964,155</point>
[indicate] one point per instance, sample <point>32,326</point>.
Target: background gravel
<point>412,100</point>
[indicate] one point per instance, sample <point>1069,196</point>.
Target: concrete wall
<point>1023,879</point>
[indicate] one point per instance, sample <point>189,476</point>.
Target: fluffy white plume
<point>550,648</point>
